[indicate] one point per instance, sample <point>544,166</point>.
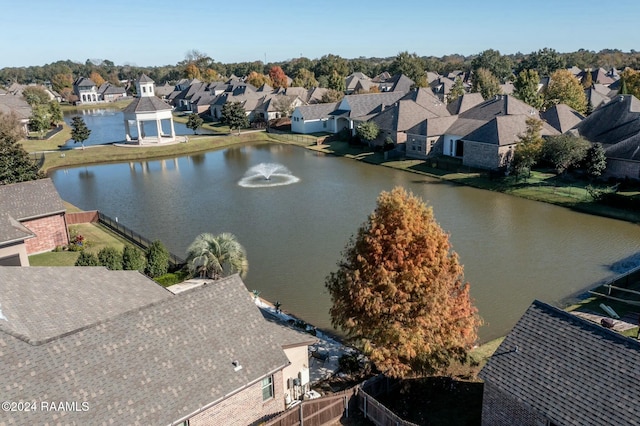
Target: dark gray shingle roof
<point>146,104</point>
<point>562,117</point>
<point>153,365</point>
<point>571,370</point>
<point>12,231</point>
<point>612,122</point>
<point>31,199</point>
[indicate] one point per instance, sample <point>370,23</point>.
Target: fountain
<point>266,175</point>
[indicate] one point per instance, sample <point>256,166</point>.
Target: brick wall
<point>501,409</point>
<point>243,408</point>
<point>50,231</point>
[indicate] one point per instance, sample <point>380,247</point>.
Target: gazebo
<point>146,108</point>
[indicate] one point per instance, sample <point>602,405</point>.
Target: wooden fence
<point>90,216</point>
<point>321,411</point>
<point>317,412</point>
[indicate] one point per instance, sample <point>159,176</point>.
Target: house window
<point>267,388</point>
<point>144,89</point>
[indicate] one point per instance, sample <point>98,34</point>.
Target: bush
<point>172,278</point>
<point>133,259</point>
<point>87,259</point>
<point>349,363</point>
<point>76,242</point>
<point>157,259</point>
<point>110,258</point>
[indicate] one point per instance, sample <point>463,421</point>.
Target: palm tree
<point>216,256</point>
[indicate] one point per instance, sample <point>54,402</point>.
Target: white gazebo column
<point>140,127</point>
<point>159,126</point>
<point>173,130</point>
<point>127,130</point>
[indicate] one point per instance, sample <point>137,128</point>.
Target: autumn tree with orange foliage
<point>399,291</point>
<point>258,80</point>
<point>278,77</point>
<point>97,78</point>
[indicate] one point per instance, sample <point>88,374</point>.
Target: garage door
<point>13,260</point>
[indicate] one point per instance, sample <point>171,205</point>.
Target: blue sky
<point>160,32</point>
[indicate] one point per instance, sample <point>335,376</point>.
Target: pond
<point>107,126</point>
<point>513,250</point>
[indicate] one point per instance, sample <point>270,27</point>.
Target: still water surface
<point>513,250</point>
<point>107,126</point>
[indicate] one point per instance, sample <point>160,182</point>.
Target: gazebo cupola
<point>145,86</point>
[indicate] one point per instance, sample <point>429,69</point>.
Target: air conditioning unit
<point>304,376</point>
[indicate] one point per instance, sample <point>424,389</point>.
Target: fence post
<point>301,415</point>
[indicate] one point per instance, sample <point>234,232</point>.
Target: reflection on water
<point>513,250</point>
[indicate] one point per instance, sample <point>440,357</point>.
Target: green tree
<point>194,122</point>
<point>526,88</point>
<point>337,82</point>
<point>564,88</point>
<point>329,64</point>
<point>79,130</point>
<point>35,95</point>
<point>331,96</point>
<point>40,120</point>
<point>587,80</point>
<point>111,258</point>
<point>133,259</point>
<point>55,113</point>
<point>565,151</point>
<point>630,83</point>
<point>486,83</point>
<point>545,62</point>
<point>216,256</point>
<point>529,148</point>
<point>368,131</point>
<point>498,65</point>
<point>456,91</point>
<point>595,161</point>
<point>157,259</point>
<point>15,163</point>
<point>278,77</point>
<point>234,116</point>
<point>399,290</point>
<point>305,78</point>
<point>61,81</point>
<point>87,259</point>
<point>410,65</point>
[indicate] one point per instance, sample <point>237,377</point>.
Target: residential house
<point>17,105</point>
<point>116,348</point>
<point>13,251</point>
<point>86,91</point>
<point>346,114</point>
<point>357,81</point>
<point>110,93</point>
<point>483,136</point>
<point>396,83</point>
<point>616,125</point>
<point>415,107</point>
<point>556,369</point>
<point>34,207</point>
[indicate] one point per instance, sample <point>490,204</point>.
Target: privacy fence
<point>327,409</point>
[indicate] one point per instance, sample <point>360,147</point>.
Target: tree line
<point>61,74</point>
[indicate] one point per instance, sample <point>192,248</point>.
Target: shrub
<point>110,258</point>
<point>171,278</point>
<point>349,363</point>
<point>157,259</point>
<point>87,259</point>
<point>133,259</point>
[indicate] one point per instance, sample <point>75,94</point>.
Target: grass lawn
<point>121,104</point>
<point>96,236</point>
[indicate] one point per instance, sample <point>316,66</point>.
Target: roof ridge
<point>576,319</point>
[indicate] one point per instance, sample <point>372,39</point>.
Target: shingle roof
<point>505,130</point>
<point>612,122</point>
<point>30,200</point>
<point>43,303</point>
<point>370,103</point>
<point>464,103</point>
<point>316,111</point>
<point>145,79</point>
<point>146,104</point>
<point>12,231</point>
<point>402,116</point>
<point>425,98</point>
<point>17,105</point>
<point>562,117</point>
<point>571,370</point>
<point>153,365</point>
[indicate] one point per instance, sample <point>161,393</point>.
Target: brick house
<point>37,206</point>
<point>123,350</point>
<point>13,251</point>
<point>557,369</point>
